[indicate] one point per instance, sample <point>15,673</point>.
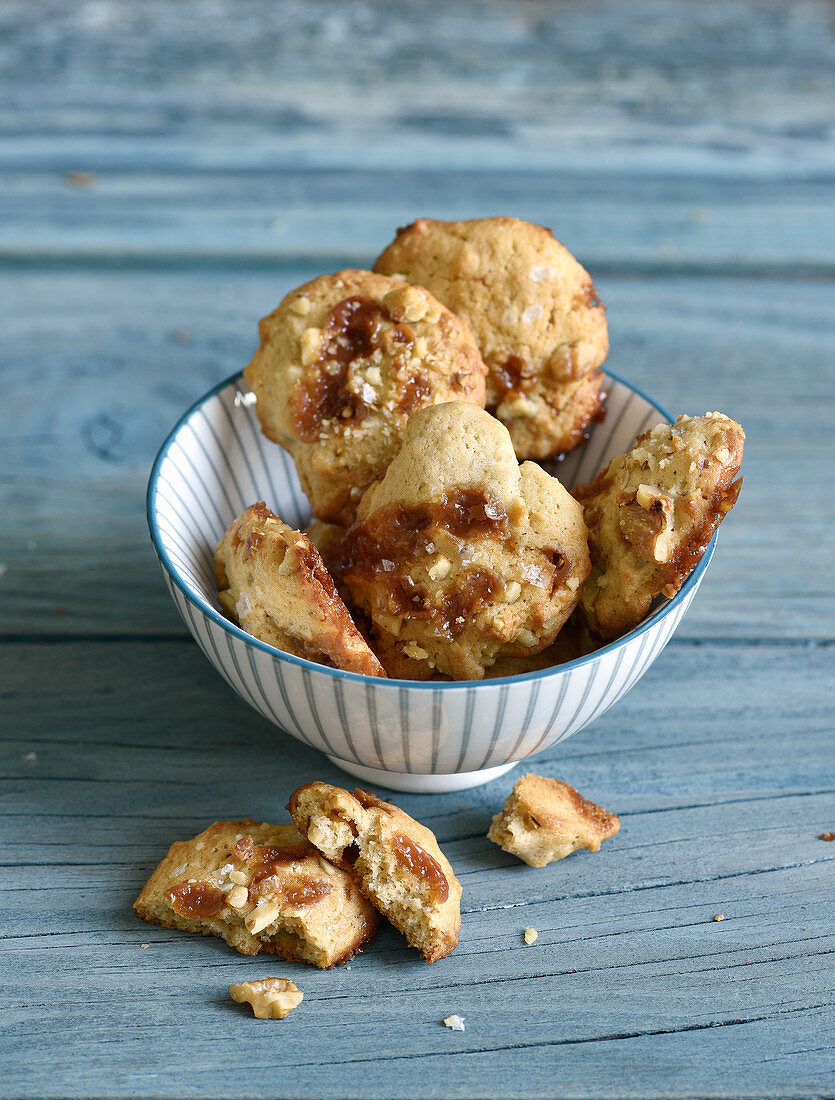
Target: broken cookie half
<point>261,888</point>
<point>396,860</point>
<point>651,514</point>
<point>545,819</point>
<point>272,580</point>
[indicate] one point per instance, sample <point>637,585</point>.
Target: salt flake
<point>541,272</point>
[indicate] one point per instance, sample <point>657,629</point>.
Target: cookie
<point>396,859</point>
<point>544,820</point>
<point>533,311</point>
<point>458,555</point>
<point>260,888</point>
<point>272,580</point>
<point>328,539</point>
<point>651,514</point>
<point>343,363</point>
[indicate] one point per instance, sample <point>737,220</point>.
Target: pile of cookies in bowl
<point>426,405</point>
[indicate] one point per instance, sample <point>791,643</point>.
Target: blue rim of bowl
<point>202,605</point>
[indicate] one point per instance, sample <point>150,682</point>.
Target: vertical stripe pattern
<point>217,462</point>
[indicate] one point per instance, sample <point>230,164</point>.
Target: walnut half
<point>270,998</point>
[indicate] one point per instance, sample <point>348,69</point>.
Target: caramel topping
<point>265,858</point>
<point>383,546</point>
<point>415,392</point>
<point>421,863</point>
<point>195,899</point>
<point>562,567</point>
<point>354,329</point>
<point>464,513</point>
<point>513,375</point>
<point>298,895</point>
<point>251,544</point>
<point>368,800</point>
<point>690,553</point>
<point>243,848</point>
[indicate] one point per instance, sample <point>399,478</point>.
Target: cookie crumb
<point>30,756</point>
<point>80,179</point>
<point>531,936</point>
<point>544,820</point>
<point>455,1023</point>
<point>181,336</point>
<point>826,836</point>
<point>144,945</point>
<point>719,916</point>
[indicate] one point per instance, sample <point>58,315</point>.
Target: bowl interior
<point>216,462</point>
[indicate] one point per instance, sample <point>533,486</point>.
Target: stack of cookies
<point>408,396</point>
<point>311,890</point>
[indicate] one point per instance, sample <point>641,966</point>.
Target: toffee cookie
<point>344,361</point>
<point>458,555</point>
<point>260,888</point>
<point>533,311</point>
<point>272,580</point>
<point>651,514</point>
<point>397,860</point>
<point>544,820</point>
<point>328,539</point>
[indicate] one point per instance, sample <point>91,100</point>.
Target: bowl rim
<point>654,619</point>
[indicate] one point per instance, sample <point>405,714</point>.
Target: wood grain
<point>628,957</point>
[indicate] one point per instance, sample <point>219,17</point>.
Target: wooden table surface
<point>167,172</point>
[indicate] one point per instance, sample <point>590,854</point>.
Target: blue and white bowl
<point>396,734</point>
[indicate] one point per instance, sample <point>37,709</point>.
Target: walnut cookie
<point>260,888</point>
<point>397,860</point>
<point>533,311</point>
<point>651,514</point>
<point>272,580</point>
<point>458,554</point>
<point>344,361</point>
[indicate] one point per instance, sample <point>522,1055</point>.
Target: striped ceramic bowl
<point>397,734</point>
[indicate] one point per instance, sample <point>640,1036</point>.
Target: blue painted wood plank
<point>619,221</point>
<point>630,975</point>
<point>708,86</point>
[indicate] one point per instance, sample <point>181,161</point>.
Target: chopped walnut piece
<point>455,1023</point>
<point>531,936</point>
<point>270,998</point>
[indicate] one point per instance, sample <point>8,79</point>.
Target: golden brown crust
<point>651,514</point>
<point>397,860</point>
<point>272,580</point>
<point>344,361</point>
<point>533,310</point>
<point>460,556</point>
<point>545,819</point>
<point>261,888</point>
